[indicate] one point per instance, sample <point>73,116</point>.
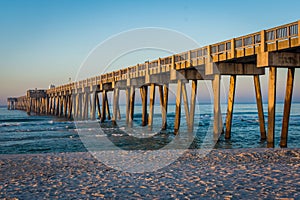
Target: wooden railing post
<point>232,48</point>
<point>263,41</point>
<point>298,32</point>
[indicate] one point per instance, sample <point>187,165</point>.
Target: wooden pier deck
<point>247,55</point>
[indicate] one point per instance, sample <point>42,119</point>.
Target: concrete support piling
<point>144,97</point>
<point>151,106</point>
<point>260,109</point>
<point>178,107</point>
<point>271,106</point>
<point>287,106</point>
<point>231,97</point>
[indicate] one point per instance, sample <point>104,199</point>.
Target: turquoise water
<point>20,133</point>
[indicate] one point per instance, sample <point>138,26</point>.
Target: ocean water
<point>20,133</point>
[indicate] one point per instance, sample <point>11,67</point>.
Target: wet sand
<point>221,174</point>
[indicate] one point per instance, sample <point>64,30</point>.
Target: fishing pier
<point>247,55</point>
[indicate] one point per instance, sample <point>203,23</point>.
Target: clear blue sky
<point>43,42</point>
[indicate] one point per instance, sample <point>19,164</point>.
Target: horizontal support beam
<point>162,78</point>
<point>189,74</point>
<point>137,82</point>
<point>106,86</point>
<point>239,69</point>
<point>278,59</point>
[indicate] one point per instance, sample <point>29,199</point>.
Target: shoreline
<point>223,173</point>
<point>254,149</point>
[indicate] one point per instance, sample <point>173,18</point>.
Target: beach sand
<point>221,174</point>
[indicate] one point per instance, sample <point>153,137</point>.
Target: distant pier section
<point>248,55</point>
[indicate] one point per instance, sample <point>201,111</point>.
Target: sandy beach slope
<point>221,174</point>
